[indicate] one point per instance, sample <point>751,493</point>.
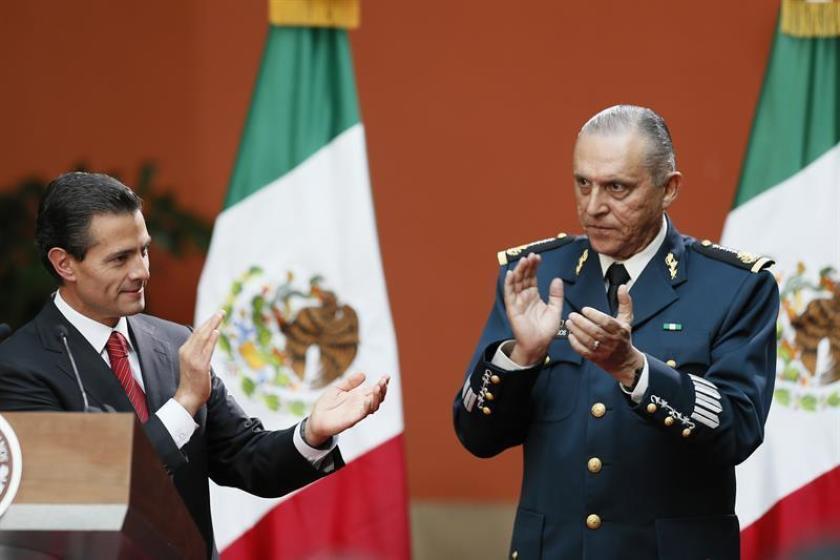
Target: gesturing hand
<point>606,340</point>
<point>342,405</point>
<point>533,321</point>
<point>194,357</point>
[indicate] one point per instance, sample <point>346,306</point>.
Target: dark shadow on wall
<point>25,284</point>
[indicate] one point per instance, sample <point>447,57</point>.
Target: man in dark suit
<point>92,237</point>
<point>634,364</point>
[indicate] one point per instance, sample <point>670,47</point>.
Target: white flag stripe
<point>811,197</point>
<point>317,218</point>
<point>802,448</point>
<point>797,222</point>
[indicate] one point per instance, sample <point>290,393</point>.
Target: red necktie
<point>118,354</point>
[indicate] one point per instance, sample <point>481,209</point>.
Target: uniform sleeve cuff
<point>502,361</point>
<point>641,387</point>
<point>177,422</point>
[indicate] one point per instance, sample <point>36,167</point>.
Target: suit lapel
<point>654,290</point>
<point>100,383</point>
<point>155,362</point>
<point>585,282</point>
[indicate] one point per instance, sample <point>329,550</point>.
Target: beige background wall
<point>470,107</point>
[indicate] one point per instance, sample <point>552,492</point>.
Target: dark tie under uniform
<point>616,276</point>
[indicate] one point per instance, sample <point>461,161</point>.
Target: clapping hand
<point>605,340</point>
<point>194,363</point>
<point>533,321</point>
<point>342,405</point>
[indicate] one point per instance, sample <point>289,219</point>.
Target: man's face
<point>618,204</point>
<point>109,282</point>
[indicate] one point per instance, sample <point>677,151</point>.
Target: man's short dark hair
<point>67,207</point>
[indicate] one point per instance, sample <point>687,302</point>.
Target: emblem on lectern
<point>11,465</point>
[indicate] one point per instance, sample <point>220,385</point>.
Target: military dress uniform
<point>606,477</point>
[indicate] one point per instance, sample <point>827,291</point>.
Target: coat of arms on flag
<point>286,340</point>
<point>809,341</point>
<point>295,263</point>
<point>787,206</point>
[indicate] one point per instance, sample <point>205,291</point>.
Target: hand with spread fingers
<point>606,340</point>
<point>342,405</point>
<point>533,321</point>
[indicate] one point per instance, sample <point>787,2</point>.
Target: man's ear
<point>672,189</point>
<point>62,262</point>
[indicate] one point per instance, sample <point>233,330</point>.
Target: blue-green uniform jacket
<point>605,477</point>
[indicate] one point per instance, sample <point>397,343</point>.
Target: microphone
<point>61,333</point>
<point>5,331</point>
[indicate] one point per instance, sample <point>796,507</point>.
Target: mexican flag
<point>788,207</point>
<point>295,262</point>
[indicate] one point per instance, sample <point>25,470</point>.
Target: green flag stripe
<point>304,97</point>
<point>797,119</point>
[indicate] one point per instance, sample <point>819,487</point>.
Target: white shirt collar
<point>94,332</point>
<point>637,263</point>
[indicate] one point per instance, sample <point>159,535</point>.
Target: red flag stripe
<point>359,512</point>
<point>805,520</point>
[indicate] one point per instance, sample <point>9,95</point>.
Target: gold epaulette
<point>742,259</point>
<point>515,253</point>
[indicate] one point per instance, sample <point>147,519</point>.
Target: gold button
<point>669,420</point>
<point>651,408</point>
<point>594,465</point>
<point>547,360</point>
<point>488,395</point>
<point>705,243</point>
<point>593,521</point>
<point>494,379</point>
<point>671,363</point>
<point>686,432</point>
<point>514,555</point>
<point>486,410</point>
<point>598,410</point>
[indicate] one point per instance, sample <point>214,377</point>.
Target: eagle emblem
<point>809,341</point>
<point>286,340</point>
<point>332,328</point>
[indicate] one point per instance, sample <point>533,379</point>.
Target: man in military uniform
<point>634,364</point>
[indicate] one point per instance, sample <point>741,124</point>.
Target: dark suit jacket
<point>228,446</point>
<point>658,475</point>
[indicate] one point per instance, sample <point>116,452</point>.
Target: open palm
<point>533,321</point>
<point>342,405</point>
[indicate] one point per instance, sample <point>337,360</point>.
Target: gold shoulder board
<point>741,259</point>
<point>515,253</point>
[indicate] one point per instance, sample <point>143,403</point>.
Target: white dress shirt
<point>174,417</point>
<point>635,265</point>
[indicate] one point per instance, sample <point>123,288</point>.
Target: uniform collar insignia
<point>672,263</point>
<point>581,261</point>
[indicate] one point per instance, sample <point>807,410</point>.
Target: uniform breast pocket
<point>527,535</point>
<point>556,391</point>
<point>687,352</point>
